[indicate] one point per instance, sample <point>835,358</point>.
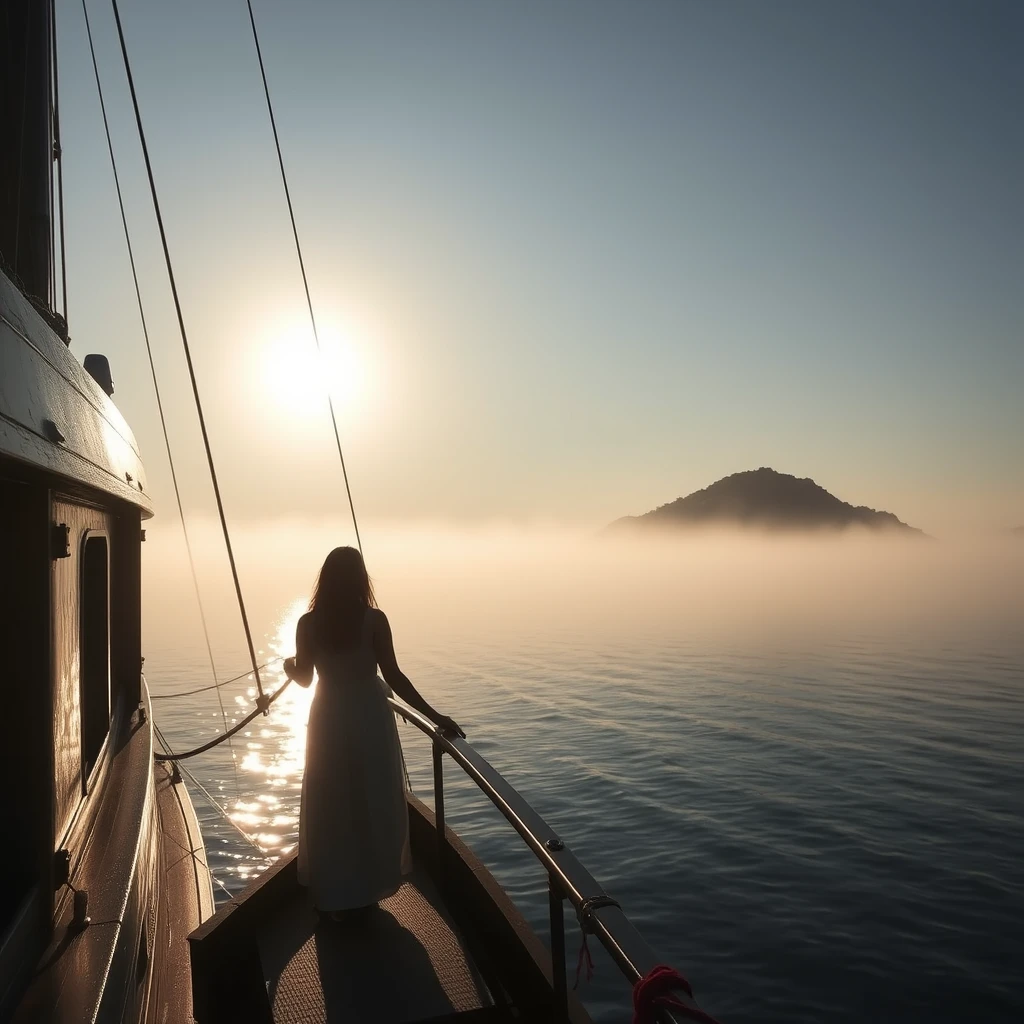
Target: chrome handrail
<point>568,878</point>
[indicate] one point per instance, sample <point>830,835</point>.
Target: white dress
<point>353,819</point>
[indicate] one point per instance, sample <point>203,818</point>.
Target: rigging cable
<point>227,817</point>
<point>195,859</point>
<point>223,812</point>
<point>262,701</point>
<point>156,385</point>
<point>262,706</point>
<point>302,267</point>
<point>215,686</point>
<point>15,256</point>
<point>58,157</point>
<point>51,295</point>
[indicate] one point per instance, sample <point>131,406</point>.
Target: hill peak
<point>766,499</point>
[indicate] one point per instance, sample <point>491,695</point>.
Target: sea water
<point>796,764</point>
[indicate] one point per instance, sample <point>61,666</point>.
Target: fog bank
<point>745,591</point>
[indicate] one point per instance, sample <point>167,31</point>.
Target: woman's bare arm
<point>384,648</point>
<point>300,667</point>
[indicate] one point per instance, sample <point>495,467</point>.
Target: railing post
<point>442,842</point>
<point>558,979</point>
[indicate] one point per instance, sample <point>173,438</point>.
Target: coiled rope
<point>654,992</point>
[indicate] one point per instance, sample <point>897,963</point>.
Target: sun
<point>295,379</point>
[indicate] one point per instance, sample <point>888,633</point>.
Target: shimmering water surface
<point>814,820</point>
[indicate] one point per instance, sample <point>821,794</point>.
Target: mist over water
<point>738,587</point>
<point>794,760</point>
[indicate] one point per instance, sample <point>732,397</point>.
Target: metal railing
<point>598,913</point>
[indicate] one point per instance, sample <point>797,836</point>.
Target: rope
<point>223,812</point>
<point>215,686</point>
<point>262,706</point>
<point>262,702</point>
<point>227,817</point>
<point>302,267</point>
<point>585,916</point>
<point>206,793</point>
<point>176,780</point>
<point>583,957</point>
<point>156,384</point>
<point>653,992</point>
<point>585,911</point>
<point>226,890</point>
<point>58,156</point>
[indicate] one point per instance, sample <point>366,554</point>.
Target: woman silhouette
<point>353,821</point>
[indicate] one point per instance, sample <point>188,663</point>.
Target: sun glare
<point>295,378</point>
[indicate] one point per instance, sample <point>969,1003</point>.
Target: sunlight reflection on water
<point>276,756</point>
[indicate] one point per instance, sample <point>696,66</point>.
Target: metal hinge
<point>142,536</point>
<point>61,868</point>
<point>60,541</point>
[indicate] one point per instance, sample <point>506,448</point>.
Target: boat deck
<point>269,957</point>
<point>457,951</point>
<point>403,961</point>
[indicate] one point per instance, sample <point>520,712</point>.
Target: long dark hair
<point>342,593</point>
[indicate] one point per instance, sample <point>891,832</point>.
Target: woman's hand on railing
<point>449,726</point>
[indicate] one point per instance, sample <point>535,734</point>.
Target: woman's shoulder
<point>377,622</point>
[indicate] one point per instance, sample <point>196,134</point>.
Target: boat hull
<point>105,872</point>
<point>139,857</point>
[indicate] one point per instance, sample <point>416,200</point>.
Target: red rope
<point>653,992</point>
<point>584,952</point>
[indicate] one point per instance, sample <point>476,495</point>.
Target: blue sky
<point>582,257</point>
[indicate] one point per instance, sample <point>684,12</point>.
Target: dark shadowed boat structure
<point>104,867</point>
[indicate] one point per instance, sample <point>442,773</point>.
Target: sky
<point>570,260</point>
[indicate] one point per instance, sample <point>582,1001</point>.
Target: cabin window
<point>95,650</point>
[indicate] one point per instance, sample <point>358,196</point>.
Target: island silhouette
<point>764,499</point>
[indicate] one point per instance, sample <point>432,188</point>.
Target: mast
<point>26,148</point>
